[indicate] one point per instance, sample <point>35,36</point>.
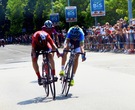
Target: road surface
<point>105,81</point>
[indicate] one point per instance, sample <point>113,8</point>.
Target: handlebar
<point>46,52</point>
<point>73,51</point>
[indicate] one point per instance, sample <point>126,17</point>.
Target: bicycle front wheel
<point>51,82</point>
<point>67,79</point>
<point>52,87</point>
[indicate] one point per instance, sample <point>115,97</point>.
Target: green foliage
<point>31,14</point>
<point>2,15</point>
<point>28,16</point>
<point>2,18</point>
<point>15,10</point>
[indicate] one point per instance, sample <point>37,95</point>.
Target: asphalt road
<point>105,81</point>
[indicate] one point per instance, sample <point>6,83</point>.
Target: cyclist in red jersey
<point>50,29</point>
<point>41,40</point>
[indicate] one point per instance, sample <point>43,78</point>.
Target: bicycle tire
<point>53,90</point>
<point>51,82</point>
<point>64,80</point>
<point>45,82</point>
<point>67,79</point>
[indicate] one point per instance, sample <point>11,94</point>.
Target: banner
<point>97,8</point>
<point>55,18</point>
<point>71,14</point>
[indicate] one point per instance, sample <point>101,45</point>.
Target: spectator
<point>131,33</point>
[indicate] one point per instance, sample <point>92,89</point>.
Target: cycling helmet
<point>75,32</point>
<point>48,24</point>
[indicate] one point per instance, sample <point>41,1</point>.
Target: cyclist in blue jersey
<point>74,39</point>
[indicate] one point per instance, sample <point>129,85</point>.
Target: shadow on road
<point>45,99</point>
<point>36,100</point>
<point>63,97</point>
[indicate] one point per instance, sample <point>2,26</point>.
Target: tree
<point>2,19</point>
<point>41,12</point>
<point>14,12</point>
<point>29,16</point>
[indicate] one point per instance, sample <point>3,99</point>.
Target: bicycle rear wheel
<point>45,82</point>
<point>67,79</point>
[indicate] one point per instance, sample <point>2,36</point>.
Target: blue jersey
<point>79,38</point>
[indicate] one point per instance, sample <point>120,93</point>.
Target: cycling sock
<point>38,74</point>
<point>73,75</point>
<point>53,71</point>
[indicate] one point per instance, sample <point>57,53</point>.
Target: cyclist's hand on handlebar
<point>83,57</point>
<point>62,54</point>
<point>58,53</point>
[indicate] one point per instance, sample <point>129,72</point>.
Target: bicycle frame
<point>48,83</point>
<point>68,72</point>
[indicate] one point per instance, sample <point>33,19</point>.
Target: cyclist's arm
<point>49,39</point>
<point>66,45</point>
<point>82,46</point>
<point>57,38</point>
<point>82,42</point>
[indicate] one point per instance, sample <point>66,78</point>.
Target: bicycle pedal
<point>55,80</point>
<point>60,78</point>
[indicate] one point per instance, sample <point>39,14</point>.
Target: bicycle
<point>66,79</point>
<point>48,77</point>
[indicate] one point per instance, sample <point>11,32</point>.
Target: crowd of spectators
<point>119,37</point>
<point>21,39</point>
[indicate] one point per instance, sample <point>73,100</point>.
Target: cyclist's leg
<point>52,62</point>
<point>66,47</point>
<point>51,59</point>
<point>34,57</point>
<point>76,60</point>
<point>75,65</point>
<point>64,58</point>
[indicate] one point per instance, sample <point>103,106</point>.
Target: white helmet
<point>48,24</point>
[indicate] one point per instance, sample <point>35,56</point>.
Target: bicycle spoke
<point>66,80</point>
<point>52,83</point>
<point>52,87</point>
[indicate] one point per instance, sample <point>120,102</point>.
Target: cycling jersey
<point>41,40</point>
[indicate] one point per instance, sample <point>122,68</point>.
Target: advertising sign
<point>97,8</point>
<point>71,14</point>
<point>55,18</point>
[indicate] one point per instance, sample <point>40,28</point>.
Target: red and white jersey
<point>41,40</point>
